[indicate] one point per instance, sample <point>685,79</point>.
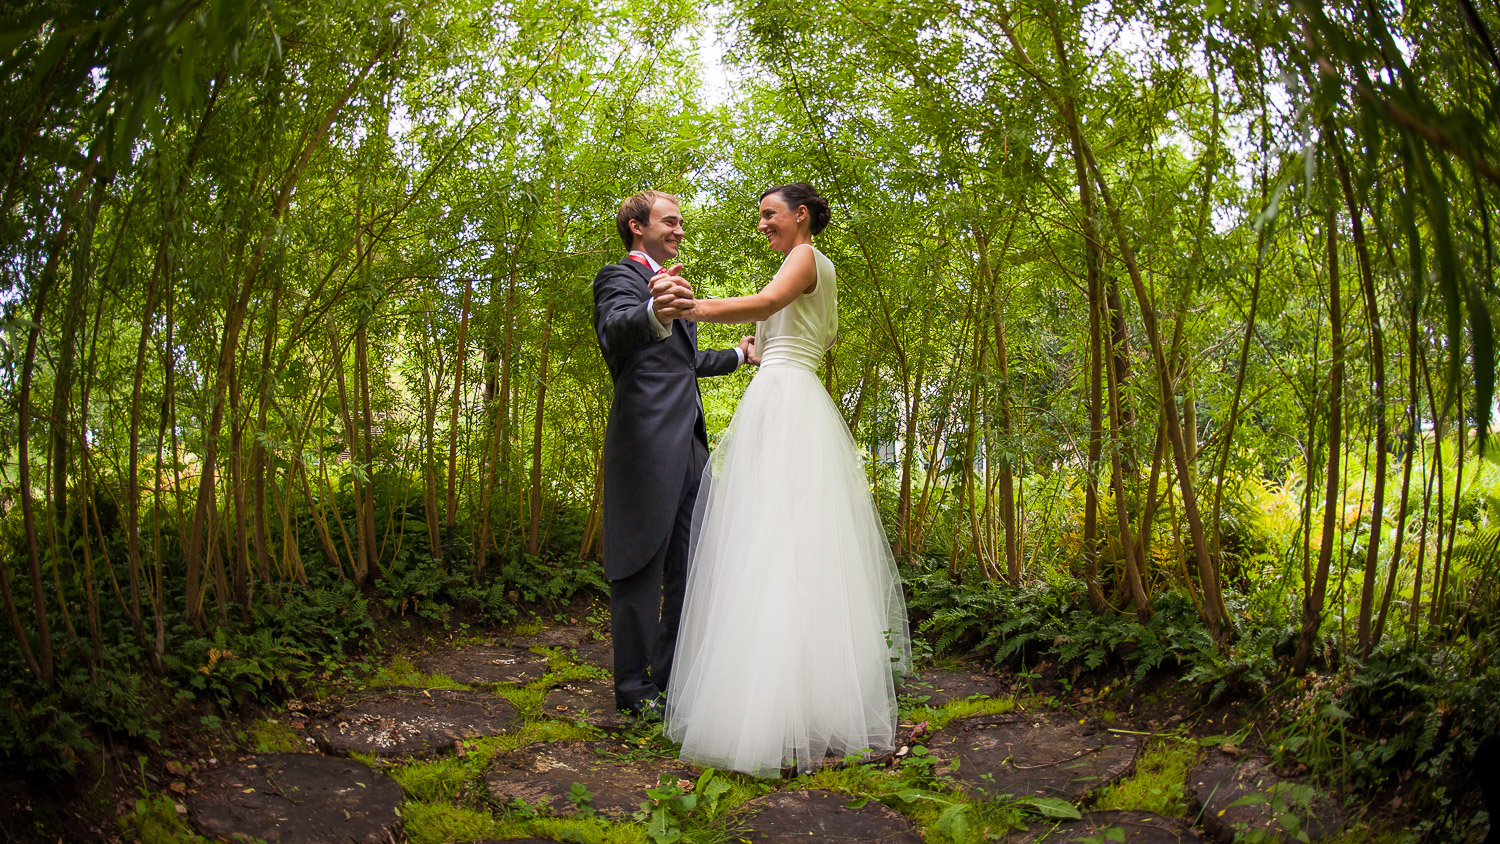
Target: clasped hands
<point>672,298</point>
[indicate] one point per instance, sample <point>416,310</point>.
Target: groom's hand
<point>747,347</point>
<point>671,295</point>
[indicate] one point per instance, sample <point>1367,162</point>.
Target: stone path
<point>600,654</point>
<point>801,816</point>
<point>408,722</point>
<point>297,797</point>
<point>543,775</point>
<point>1039,754</point>
<point>942,685</point>
<point>590,702</point>
<point>1240,796</point>
<point>313,797</point>
<point>554,637</point>
<point>483,665</point>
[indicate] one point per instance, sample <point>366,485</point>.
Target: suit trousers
<point>645,609</point>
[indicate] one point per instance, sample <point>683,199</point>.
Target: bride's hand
<point>747,346</point>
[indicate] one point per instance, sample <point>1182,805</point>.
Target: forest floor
<point>510,734</point>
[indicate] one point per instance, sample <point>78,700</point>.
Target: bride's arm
<point>797,276</point>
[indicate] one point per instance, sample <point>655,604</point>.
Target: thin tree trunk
<point>259,457</point>
<point>358,567</point>
<point>458,385</point>
<point>1312,602</point>
<point>1122,514</point>
<point>1377,384</point>
<point>366,516</point>
<point>533,530</point>
<point>1408,459</point>
<point>242,581</point>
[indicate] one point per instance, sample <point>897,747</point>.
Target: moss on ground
<point>442,822</point>
<point>155,820</point>
<point>269,735</point>
<point>401,673</point>
<point>1159,782</point>
<point>938,717</point>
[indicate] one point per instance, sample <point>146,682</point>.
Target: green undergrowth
<point>155,820</point>
<point>1159,782</point>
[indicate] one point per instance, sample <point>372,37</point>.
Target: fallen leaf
<point>178,787</point>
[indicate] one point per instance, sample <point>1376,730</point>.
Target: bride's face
<point>783,227</point>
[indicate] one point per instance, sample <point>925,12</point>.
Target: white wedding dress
<point>794,620</point>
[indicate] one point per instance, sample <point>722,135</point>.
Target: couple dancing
<point>754,605</point>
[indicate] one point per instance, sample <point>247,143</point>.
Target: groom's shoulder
<point>619,268</point>
<point>621,271</point>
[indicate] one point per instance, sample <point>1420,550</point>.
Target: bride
<point>794,619</point>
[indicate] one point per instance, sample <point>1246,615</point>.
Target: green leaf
<point>1052,807</point>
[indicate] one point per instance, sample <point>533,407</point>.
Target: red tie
<point>639,260</point>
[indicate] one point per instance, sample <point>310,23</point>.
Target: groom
<point>655,443</point>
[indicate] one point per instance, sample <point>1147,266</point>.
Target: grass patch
<point>585,830</point>
<point>268,735</point>
<point>1363,834</point>
<point>526,699</point>
<point>458,778</point>
<point>530,627</point>
<point>439,823</point>
<point>939,717</point>
<point>1159,783</point>
<point>563,663</point>
<point>943,811</point>
<point>155,821</point>
<point>402,673</point>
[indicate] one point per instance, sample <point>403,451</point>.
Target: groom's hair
<point>638,208</point>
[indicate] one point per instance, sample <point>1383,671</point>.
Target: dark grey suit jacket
<point>655,438</point>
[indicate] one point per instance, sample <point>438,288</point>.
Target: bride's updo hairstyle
<point>801,193</point>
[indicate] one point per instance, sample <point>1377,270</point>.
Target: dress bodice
<point>800,333</point>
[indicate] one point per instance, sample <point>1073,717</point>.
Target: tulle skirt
<point>794,620</point>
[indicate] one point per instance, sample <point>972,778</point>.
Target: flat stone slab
<point>1033,754</point>
<point>589,701</point>
<point>413,722</point>
<point>813,816</point>
<point>1239,796</point>
<point>483,665</point>
<point>542,775</point>
<point>297,797</point>
<point>553,637</point>
<point>1135,827</point>
<point>600,654</point>
<point>942,685</point>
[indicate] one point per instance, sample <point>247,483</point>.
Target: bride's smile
<point>783,226</point>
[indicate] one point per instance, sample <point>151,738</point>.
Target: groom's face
<point>663,233</point>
